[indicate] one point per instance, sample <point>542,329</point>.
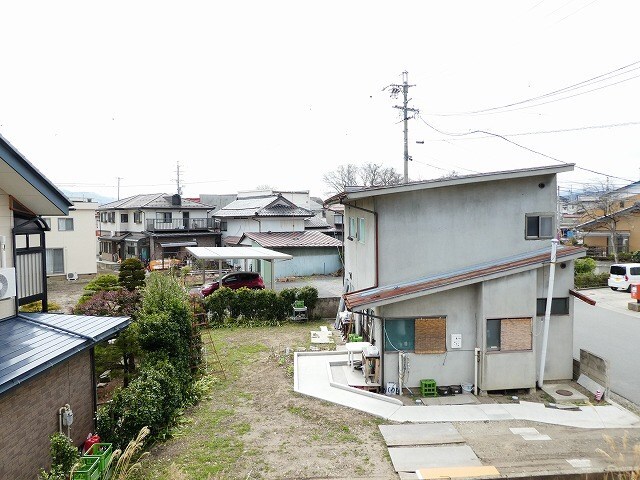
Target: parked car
<point>235,280</point>
<point>623,275</point>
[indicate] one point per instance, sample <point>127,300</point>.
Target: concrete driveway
<point>612,300</point>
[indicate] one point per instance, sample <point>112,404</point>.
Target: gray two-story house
<point>154,226</point>
<point>449,277</point>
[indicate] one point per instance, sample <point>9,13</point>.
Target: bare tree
<point>599,206</point>
<point>367,175</point>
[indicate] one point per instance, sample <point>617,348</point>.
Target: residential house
<point>71,240</point>
<point>154,227</point>
<point>314,253</point>
<point>621,227</point>
<point>268,219</point>
<point>46,360</point>
<point>450,274</point>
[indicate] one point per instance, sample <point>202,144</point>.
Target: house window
<point>65,224</point>
<point>163,217</point>
<point>103,217</point>
<point>131,250</point>
<point>422,335</point>
<point>559,306</point>
<point>48,222</point>
<point>539,226</point>
<point>137,217</point>
<point>352,228</point>
<point>124,218</point>
<point>55,261</point>
<point>361,230</point>
<point>509,334</point>
<point>337,219</point>
<point>106,247</point>
<point>223,226</point>
<point>111,217</point>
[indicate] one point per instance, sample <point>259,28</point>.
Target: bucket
<point>455,389</point>
<point>467,387</point>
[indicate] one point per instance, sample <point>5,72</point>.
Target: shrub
<point>107,282</point>
<point>586,280</point>
<point>309,295</point>
<point>132,274</point>
<point>585,265</point>
<point>217,303</point>
<point>153,399</point>
<point>635,258</point>
<point>64,455</point>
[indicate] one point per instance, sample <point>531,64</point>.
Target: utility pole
<point>395,90</point>
<point>118,179</point>
<point>178,186</point>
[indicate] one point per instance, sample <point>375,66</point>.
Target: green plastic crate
<point>101,451</point>
<point>355,338</point>
<point>88,469</point>
<point>428,388</point>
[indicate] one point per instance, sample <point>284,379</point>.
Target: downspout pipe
<point>547,312</point>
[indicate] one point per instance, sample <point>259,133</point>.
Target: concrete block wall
<point>594,367</point>
<point>29,414</point>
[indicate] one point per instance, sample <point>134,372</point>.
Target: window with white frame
<point>137,217</point>
<point>55,260</point>
<point>361,230</point>
<point>353,228</point>
<point>538,226</point>
<point>65,224</point>
<point>124,218</point>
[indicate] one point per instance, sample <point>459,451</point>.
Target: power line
<point>598,78</point>
<point>521,146</point>
<point>544,132</point>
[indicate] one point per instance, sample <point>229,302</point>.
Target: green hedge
<point>586,280</point>
<point>246,307</point>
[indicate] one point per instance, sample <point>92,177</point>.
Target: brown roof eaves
<point>384,295</point>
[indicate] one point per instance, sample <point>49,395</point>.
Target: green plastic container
<point>101,451</point>
<point>88,469</point>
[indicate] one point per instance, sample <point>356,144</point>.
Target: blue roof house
<point>46,360</point>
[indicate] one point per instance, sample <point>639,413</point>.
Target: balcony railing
<point>184,224</point>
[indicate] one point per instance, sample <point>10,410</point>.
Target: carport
<point>237,253</point>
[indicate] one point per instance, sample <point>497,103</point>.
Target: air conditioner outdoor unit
<point>72,276</point>
<point>7,283</point>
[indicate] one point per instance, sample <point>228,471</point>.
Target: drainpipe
<point>476,357</point>
<point>547,312</point>
<point>3,253</point>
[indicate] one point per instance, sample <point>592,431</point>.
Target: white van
<point>622,275</point>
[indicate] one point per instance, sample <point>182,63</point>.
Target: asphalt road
<point>610,330</point>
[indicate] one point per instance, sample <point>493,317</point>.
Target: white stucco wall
<point>237,226</point>
<point>7,307</point>
<point>78,245</point>
<point>360,267</point>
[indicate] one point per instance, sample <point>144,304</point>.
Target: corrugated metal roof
<point>307,238</point>
<point>31,343</point>
<point>423,286</point>
<point>155,201</point>
<point>232,240</point>
<point>316,222</point>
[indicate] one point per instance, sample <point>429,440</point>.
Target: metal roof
<point>20,179</point>
<point>596,222</point>
<point>179,244</point>
<point>31,343</point>
<point>316,222</point>
<point>228,253</point>
<point>306,238</point>
<point>365,192</point>
<point>263,206</point>
<point>435,283</point>
<point>153,201</point>
<point>232,240</point>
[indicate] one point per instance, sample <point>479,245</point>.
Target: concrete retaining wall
<point>594,367</point>
<point>326,307</point>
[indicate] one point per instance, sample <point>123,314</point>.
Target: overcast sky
<point>249,93</point>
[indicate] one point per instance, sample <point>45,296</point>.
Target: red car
<point>235,280</point>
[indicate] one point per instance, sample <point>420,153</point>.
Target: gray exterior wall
<point>467,310</point>
<point>443,229</point>
<point>360,268</point>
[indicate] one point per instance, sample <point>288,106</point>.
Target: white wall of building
<point>72,251</point>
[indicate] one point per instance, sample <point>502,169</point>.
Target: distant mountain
<point>94,197</point>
